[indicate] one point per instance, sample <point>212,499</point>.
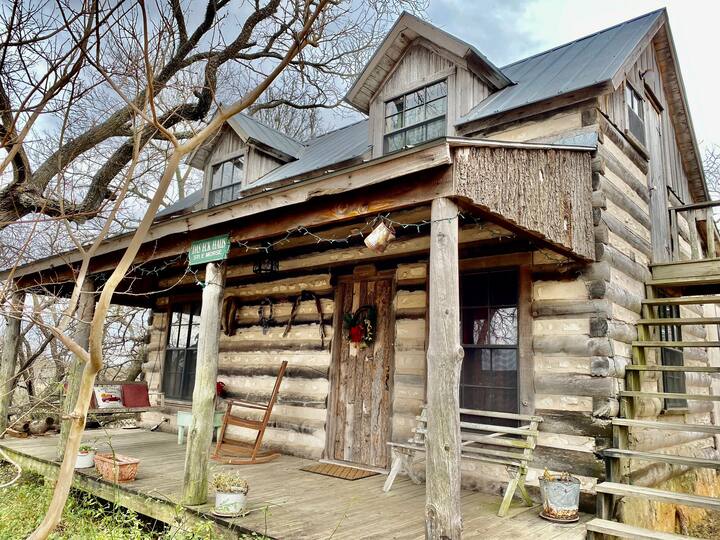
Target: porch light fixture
<point>267,263</point>
<point>380,237</point>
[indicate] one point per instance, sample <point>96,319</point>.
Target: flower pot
<point>229,504</point>
<point>560,499</point>
<point>116,468</point>
<point>85,460</point>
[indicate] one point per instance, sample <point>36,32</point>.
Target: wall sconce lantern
<point>267,263</point>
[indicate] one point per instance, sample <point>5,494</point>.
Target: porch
<point>284,502</point>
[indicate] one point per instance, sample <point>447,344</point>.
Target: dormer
<point>418,82</point>
<point>243,151</point>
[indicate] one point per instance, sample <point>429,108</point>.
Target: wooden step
<point>653,494</point>
<point>683,300</point>
<point>667,395</point>
<point>666,426</point>
<point>621,530</point>
<point>663,458</point>
<point>688,369</point>
<point>679,321</point>
<point>677,344</point>
<point>689,281</point>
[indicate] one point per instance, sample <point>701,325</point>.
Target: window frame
<point>424,123</point>
<point>188,351</point>
<point>635,105</point>
<point>673,382</point>
<point>239,185</point>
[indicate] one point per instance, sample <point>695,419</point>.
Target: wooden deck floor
<point>284,501</point>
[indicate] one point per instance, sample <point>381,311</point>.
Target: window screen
<point>489,333</point>
<point>672,381</point>
<point>636,114</point>
<point>181,352</point>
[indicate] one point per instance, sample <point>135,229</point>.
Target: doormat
<point>338,471</point>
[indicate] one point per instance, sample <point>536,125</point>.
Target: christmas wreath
<point>360,326</point>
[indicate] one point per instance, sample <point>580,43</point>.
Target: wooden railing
<point>695,213</point>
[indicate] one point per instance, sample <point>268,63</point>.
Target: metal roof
<point>258,131</point>
<point>186,203</point>
<point>321,153</point>
<point>582,63</point>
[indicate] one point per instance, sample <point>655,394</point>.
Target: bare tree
<point>116,83</point>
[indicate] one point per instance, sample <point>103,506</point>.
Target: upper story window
<point>416,117</point>
<point>226,181</point>
<point>636,114</point>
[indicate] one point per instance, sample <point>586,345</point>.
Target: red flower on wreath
<point>357,333</point>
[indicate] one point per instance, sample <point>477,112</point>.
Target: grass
<point>22,507</point>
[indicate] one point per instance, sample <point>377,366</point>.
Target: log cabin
<point>540,218</point>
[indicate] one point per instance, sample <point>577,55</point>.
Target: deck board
<point>299,504</point>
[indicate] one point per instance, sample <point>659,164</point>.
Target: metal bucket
<point>560,499</point>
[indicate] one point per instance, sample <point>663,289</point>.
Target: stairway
<point>672,285</point>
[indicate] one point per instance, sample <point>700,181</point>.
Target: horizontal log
<point>574,384</point>
<point>410,304</point>
<point>285,441</point>
<point>623,262</point>
<point>306,312</point>
<point>573,345</point>
<point>606,366</point>
<point>605,407</point>
<point>607,153</point>
<point>574,423</point>
<point>565,308</point>
<point>319,284</point>
<point>612,193</point>
<point>301,337</point>
<point>573,461</point>
<point>619,228</point>
<point>411,274</point>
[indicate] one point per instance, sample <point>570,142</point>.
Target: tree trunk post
<point>8,362</point>
<point>84,316</point>
<point>443,518</point>
<point>197,455</point>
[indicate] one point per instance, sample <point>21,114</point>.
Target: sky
<point>507,30</point>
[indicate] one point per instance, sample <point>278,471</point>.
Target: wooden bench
<point>511,446</point>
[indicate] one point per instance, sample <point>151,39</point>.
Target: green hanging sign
<point>209,250</point>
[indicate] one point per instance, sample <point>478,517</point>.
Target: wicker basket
<point>116,467</point>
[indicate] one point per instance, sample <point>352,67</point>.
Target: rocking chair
<point>240,453</point>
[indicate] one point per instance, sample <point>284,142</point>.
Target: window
<point>489,333</point>
<point>415,117</point>
<point>181,352</point>
<point>636,114</point>
<point>672,381</point>
<point>226,181</point>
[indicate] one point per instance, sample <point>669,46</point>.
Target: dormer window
<point>226,182</point>
<point>416,117</point>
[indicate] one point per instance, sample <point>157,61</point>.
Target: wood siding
<point>422,64</point>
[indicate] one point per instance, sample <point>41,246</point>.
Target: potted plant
<point>116,468</point>
<point>230,493</point>
<point>560,497</point>
<point>85,457</point>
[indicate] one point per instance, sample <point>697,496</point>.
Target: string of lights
<point>267,247</point>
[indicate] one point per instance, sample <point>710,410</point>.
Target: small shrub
<point>230,482</point>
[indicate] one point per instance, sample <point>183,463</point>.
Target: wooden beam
<point>84,315</point>
<point>10,349</point>
<point>444,359</point>
<point>197,456</point>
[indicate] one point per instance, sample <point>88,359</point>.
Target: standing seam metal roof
<point>579,64</point>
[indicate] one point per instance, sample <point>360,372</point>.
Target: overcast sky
<point>507,30</point>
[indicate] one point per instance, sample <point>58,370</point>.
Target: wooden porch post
<point>8,362</point>
<point>443,519</point>
<point>84,315</point>
<point>197,455</point>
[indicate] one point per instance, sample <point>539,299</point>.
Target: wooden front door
<point>359,423</point>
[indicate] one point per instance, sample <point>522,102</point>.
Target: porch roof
<point>173,236</point>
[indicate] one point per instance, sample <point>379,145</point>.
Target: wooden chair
<point>239,453</point>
